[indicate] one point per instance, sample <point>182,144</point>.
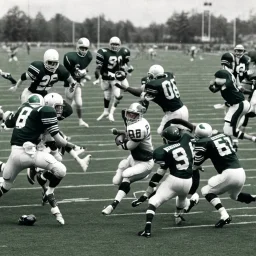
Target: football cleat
<point>31,174</point>
<point>83,123</point>
<point>222,222</point>
<point>144,233</point>
<point>27,220</point>
<point>178,218</point>
<point>111,118</point>
<point>108,210</point>
<point>51,199</point>
<point>139,201</point>
<point>56,212</point>
<point>104,114</point>
<point>84,162</point>
<point>194,200</point>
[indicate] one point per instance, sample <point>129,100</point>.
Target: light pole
<point>98,33</point>
<point>206,9</point>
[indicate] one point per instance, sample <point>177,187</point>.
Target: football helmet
<point>203,130</point>
<point>228,60</point>
<point>115,43</point>
<point>51,60</point>
<point>221,76</point>
<point>171,134</point>
<point>35,100</point>
<point>82,46</point>
<point>239,51</point>
<point>27,220</point>
<point>135,112</point>
<point>54,100</point>
<point>155,71</point>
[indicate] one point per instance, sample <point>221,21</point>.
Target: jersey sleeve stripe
<point>50,118</point>
<point>34,68</point>
<point>31,75</point>
<point>53,128</point>
<point>100,56</point>
<point>68,60</point>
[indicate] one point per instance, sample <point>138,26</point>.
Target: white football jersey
<point>140,132</point>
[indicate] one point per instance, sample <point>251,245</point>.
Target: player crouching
<point>138,164</point>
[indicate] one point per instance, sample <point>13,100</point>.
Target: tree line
<point>181,27</point>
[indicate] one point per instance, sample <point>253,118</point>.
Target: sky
<point>139,12</point>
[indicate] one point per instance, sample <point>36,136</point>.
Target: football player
<point>48,143</point>
<point>7,76</point>
<point>160,87</point>
<point>109,61</point>
<point>13,49</point>
<point>139,163</point>
<point>239,62</point>
<point>77,63</point>
<point>231,175</point>
<point>29,124</point>
<point>238,107</point>
<point>177,155</point>
<point>43,74</point>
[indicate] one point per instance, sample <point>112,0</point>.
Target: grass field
<point>82,196</point>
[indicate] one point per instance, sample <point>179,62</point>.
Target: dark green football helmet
<point>171,134</point>
<point>35,100</point>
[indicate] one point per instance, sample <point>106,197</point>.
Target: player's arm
<point>67,62</point>
<point>159,157</point>
<point>182,122</point>
<point>200,155</point>
<point>8,76</point>
<point>99,63</point>
<point>214,87</point>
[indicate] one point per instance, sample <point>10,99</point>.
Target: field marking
<point>212,225</point>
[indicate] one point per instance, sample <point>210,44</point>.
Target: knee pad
<point>59,170</point>
<point>107,95</point>
<point>123,164</point>
<point>209,197</point>
<point>125,186</point>
<point>6,186</point>
<point>205,190</point>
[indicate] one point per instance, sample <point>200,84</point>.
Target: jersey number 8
<point>22,118</point>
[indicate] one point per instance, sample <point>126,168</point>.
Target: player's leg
<point>153,183</point>
<point>54,173</point>
<point>134,171</point>
<point>163,194</point>
<point>217,185</point>
<point>237,180</point>
<point>79,103</point>
<point>24,95</point>
<point>107,91</point>
<point>117,98</point>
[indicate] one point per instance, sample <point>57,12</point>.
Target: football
<point>120,139</point>
<point>27,220</point>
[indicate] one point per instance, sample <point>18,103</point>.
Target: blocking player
<point>109,61</point>
<point>43,75</point>
<point>231,176</point>
<point>160,87</point>
<point>77,63</point>
<point>28,126</point>
<point>138,164</point>
<point>177,156</point>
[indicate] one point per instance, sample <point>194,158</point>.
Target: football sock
<point>215,201</point>
<point>150,213</point>
<point>106,103</point>
<point>246,198</point>
<point>195,182</point>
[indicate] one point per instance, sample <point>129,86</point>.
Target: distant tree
<point>40,30</point>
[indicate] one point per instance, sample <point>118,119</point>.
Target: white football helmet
<point>35,100</point>
<point>135,112</point>
<point>115,43</point>
<point>239,51</point>
<point>51,60</point>
<point>155,71</point>
<point>54,100</point>
<point>203,130</point>
<point>82,46</point>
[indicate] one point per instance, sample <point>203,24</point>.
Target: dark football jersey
<point>178,157</point>
<point>219,149</point>
<point>111,61</point>
<point>167,95</point>
<point>252,56</point>
<point>32,122</point>
<point>72,61</point>
<point>42,79</point>
<point>230,92</point>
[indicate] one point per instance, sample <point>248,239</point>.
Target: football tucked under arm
<point>214,87</point>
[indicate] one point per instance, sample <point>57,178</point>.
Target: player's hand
<point>111,76</point>
<point>13,88</point>
<point>121,86</point>
<point>130,69</point>
<point>120,75</point>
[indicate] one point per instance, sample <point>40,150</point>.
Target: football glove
<point>120,139</point>
<point>120,75</point>
<point>27,220</point>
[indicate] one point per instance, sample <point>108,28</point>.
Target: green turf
<point>87,232</point>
